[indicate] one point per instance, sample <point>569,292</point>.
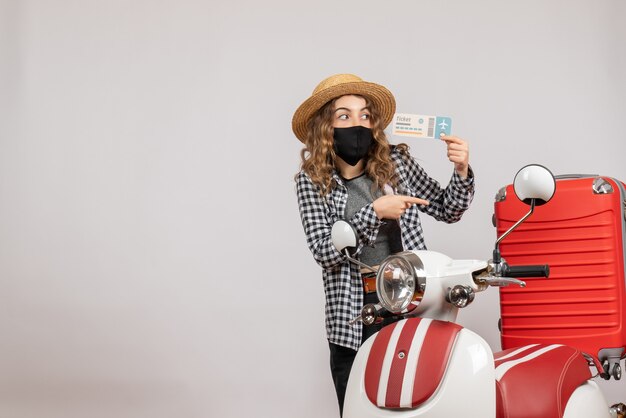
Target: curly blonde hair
<point>318,155</point>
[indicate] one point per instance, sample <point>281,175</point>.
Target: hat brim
<point>379,95</point>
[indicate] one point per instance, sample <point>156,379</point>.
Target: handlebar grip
<point>527,271</point>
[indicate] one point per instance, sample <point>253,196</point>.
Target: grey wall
<point>152,261</point>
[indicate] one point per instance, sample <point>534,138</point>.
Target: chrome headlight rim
<point>412,264</point>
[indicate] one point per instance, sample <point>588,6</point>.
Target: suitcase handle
<point>527,271</point>
<point>575,176</point>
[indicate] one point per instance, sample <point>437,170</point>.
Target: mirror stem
<point>355,261</point>
<point>496,251</point>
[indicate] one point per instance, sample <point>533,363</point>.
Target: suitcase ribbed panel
<point>579,235</point>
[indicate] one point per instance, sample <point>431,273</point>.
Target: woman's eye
<point>365,116</point>
<point>342,117</point>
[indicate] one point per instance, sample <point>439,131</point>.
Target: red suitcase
<point>580,234</point>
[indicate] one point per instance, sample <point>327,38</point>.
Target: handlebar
<point>526,271</point>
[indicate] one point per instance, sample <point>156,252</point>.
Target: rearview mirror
<point>343,235</point>
<point>534,182</point>
<point>534,185</point>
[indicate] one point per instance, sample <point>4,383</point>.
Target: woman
<point>351,172</point>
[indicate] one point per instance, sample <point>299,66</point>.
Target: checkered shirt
<point>343,286</point>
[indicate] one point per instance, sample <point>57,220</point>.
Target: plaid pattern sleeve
<point>317,219</point>
<point>366,224</point>
<point>318,214</point>
<point>446,204</point>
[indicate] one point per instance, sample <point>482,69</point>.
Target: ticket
<point>421,126</point>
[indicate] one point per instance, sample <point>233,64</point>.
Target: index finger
<point>415,200</point>
<point>452,139</point>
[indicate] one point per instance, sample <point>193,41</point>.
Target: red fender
<point>407,362</point>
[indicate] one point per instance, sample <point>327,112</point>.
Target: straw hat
<point>337,86</point>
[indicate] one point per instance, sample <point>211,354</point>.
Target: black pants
<point>341,358</point>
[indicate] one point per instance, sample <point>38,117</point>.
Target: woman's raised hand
<point>458,153</point>
<point>393,206</point>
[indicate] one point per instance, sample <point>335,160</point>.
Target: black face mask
<point>352,144</point>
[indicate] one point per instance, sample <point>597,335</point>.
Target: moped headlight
<point>400,281</point>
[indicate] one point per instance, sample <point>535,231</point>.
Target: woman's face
<point>351,111</point>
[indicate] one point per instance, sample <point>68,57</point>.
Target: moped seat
<point>537,380</point>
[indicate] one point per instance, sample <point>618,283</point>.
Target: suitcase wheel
<point>617,371</point>
<point>613,370</point>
